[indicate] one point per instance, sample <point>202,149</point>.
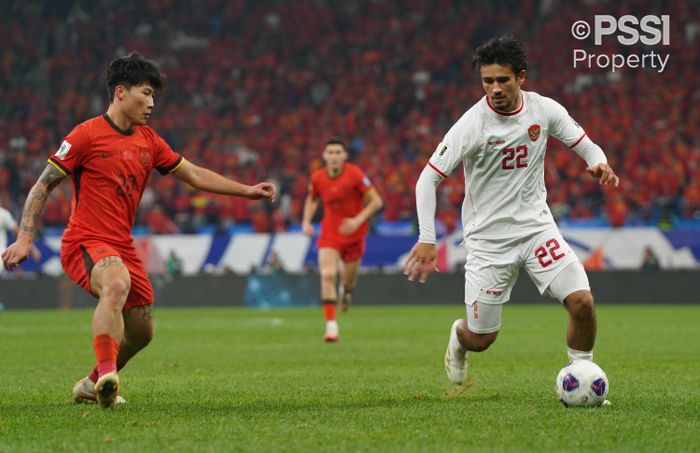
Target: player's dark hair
<point>132,70</point>
<point>505,50</point>
<point>336,141</point>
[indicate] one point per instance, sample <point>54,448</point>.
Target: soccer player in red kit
<point>109,159</point>
<point>349,200</point>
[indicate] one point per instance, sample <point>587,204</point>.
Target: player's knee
<point>328,276</point>
<point>116,289</point>
<point>580,304</point>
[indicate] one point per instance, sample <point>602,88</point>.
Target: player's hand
<point>16,254</point>
<point>604,173</point>
<point>265,190</point>
<point>349,225</point>
<point>307,228</point>
<point>421,262</point>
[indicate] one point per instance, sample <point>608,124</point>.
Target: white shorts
<point>492,268</point>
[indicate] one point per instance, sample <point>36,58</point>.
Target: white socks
<point>579,355</point>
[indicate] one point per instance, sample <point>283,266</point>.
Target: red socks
<point>329,309</point>
<point>106,350</point>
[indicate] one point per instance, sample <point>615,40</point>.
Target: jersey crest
<point>534,132</point>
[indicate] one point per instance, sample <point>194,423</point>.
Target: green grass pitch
<point>250,380</point>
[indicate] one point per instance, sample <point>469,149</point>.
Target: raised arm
<point>36,200</point>
<point>205,179</point>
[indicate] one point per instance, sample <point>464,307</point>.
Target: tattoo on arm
<point>51,177</point>
<point>37,197</point>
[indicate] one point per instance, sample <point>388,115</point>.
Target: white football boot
<point>332,334</point>
<point>455,358</point>
<point>84,392</point>
<point>107,390</point>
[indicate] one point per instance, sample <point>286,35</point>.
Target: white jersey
<point>503,159</point>
<point>7,223</point>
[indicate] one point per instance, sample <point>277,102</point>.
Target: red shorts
<point>78,259</point>
<point>349,251</point>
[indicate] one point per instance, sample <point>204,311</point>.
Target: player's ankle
<point>575,354</point>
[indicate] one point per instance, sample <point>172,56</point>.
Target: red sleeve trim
<point>578,141</point>
<point>437,170</point>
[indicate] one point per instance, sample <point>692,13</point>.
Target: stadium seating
<point>255,88</point>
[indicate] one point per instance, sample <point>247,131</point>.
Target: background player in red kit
<point>348,201</point>
<point>109,159</point>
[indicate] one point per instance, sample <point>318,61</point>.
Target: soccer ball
<point>582,383</point>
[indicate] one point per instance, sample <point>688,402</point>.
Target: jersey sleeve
<point>562,126</point>
<point>314,189</point>
<point>362,181</point>
<point>165,160</point>
<point>71,153</point>
<point>459,142</point>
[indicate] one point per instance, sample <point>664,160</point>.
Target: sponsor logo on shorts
<point>492,292</point>
<point>475,306</point>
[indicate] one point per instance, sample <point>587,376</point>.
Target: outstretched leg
<point>138,332</point>
<point>111,282</point>
<point>484,317</point>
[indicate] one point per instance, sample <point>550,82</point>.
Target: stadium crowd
<point>255,89</point>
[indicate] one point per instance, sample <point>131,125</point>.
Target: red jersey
<point>109,168</point>
<point>343,197</point>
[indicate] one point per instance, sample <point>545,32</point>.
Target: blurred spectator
<point>274,264</point>
<point>650,262</point>
<point>174,265</point>
<point>260,84</point>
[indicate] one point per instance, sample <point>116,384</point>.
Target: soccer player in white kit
<point>501,143</point>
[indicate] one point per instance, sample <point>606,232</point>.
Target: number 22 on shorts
<point>548,249</point>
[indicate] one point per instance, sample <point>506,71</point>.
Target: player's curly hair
<point>132,70</point>
<point>505,50</point>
